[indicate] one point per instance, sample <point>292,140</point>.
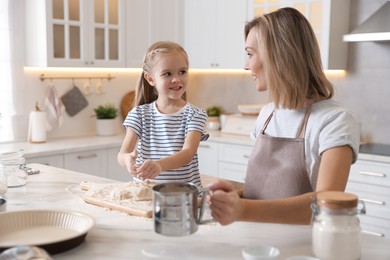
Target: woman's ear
<point>149,79</point>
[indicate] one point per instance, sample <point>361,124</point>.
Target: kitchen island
<point>120,236</point>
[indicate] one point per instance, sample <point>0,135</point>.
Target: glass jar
<point>10,163</point>
<point>3,180</point>
<point>336,226</point>
<point>15,175</point>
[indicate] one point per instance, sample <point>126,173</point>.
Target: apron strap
<point>267,122</point>
<point>302,128</point>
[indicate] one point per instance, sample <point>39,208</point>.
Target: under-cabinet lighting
<point>74,69</point>
<point>335,73</point>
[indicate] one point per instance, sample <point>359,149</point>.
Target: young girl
<point>165,127</point>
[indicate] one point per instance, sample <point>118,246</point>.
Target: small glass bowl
<point>262,252</point>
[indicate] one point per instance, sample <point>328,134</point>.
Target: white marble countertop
<point>63,145</point>
<point>75,144</point>
<point>120,236</point>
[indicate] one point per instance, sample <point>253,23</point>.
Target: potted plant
<point>213,113</point>
<point>106,119</point>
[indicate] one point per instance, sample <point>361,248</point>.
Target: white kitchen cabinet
<point>56,160</point>
<point>233,161</point>
<point>213,33</point>
<point>208,158</point>
<point>148,21</point>
<point>114,170</point>
<point>232,171</point>
<point>370,180</point>
<point>92,162</point>
<point>75,33</point>
<point>329,19</point>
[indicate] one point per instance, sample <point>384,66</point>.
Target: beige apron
<point>276,166</point>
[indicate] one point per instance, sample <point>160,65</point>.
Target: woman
<point>305,141</point>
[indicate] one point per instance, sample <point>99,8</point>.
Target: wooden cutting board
<point>127,103</point>
<point>136,208</point>
<point>98,194</point>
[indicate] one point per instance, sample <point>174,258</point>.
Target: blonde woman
<point>163,130</point>
<point>305,141</point>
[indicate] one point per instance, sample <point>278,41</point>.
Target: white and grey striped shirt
<point>161,135</point>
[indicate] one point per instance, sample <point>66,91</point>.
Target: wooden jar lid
<point>337,199</point>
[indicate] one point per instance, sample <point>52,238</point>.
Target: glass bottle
<point>336,226</point>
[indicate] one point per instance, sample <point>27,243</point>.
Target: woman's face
<point>169,75</point>
<point>254,62</point>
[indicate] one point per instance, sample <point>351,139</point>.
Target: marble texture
<point>120,236</point>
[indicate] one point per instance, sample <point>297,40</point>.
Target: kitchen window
<point>11,73</point>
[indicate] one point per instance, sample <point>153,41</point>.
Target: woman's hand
<point>148,170</point>
<point>224,202</point>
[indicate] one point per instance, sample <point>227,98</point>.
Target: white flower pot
<point>213,123</point>
<point>106,126</point>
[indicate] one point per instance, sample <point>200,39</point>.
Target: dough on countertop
<point>137,191</point>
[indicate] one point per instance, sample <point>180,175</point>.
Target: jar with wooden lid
<point>336,226</point>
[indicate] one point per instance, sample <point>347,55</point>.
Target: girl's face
<point>169,75</point>
<point>254,61</point>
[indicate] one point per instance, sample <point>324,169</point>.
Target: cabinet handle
<point>373,233</point>
<point>374,174</point>
<point>246,156</point>
<point>86,156</point>
<point>204,145</point>
<point>377,202</point>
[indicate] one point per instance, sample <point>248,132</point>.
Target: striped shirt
<point>161,135</point>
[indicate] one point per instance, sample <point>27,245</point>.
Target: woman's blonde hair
<point>145,93</point>
<point>291,58</point>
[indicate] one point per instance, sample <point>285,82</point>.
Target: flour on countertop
<point>129,194</point>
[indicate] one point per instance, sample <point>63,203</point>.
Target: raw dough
<point>136,191</point>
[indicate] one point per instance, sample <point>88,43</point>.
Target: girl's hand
<point>131,166</point>
<point>224,202</point>
<point>149,170</point>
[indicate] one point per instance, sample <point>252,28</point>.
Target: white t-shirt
<point>161,135</point>
<point>330,125</point>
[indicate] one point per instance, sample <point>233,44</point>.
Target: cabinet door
<point>114,170</point>
<point>232,171</point>
<point>106,33</point>
<point>92,162</point>
<point>148,21</point>
<point>51,160</point>
<point>215,39</point>
<point>75,33</point>
<point>329,19</point>
<point>208,158</point>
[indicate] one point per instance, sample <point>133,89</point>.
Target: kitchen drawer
<point>231,171</point>
<point>51,160</point>
<point>375,197</point>
<point>375,226</point>
<point>234,153</point>
<point>370,172</point>
<point>92,162</point>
